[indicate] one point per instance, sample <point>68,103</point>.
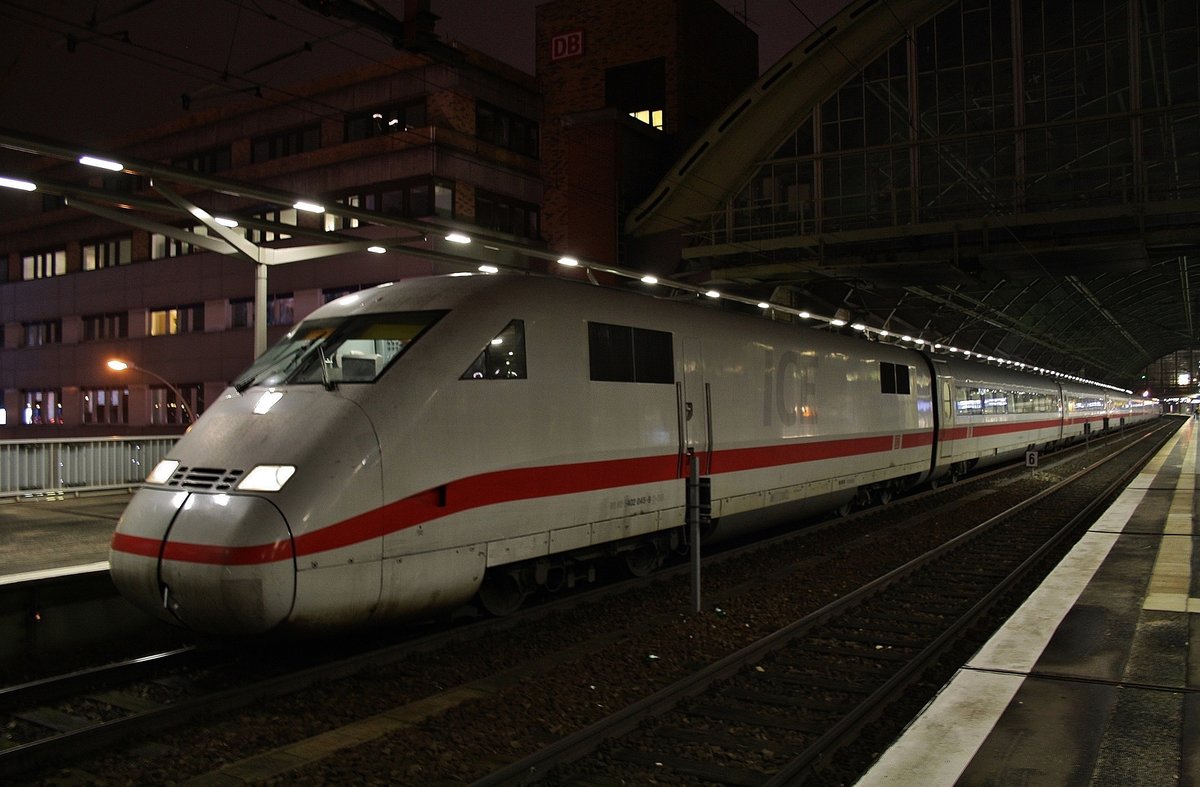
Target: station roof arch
<point>1049,216</point>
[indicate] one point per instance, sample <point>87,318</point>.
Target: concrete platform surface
<point>1093,681</point>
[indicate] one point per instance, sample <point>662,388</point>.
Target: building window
<point>105,405</point>
<point>162,246</point>
<point>179,319</point>
<point>639,89</point>
<point>41,407</point>
<point>285,143</point>
<point>209,161</point>
<point>166,409</point>
<point>37,334</point>
<point>105,326</point>
<point>651,117</point>
<point>333,294</point>
<point>506,129</point>
<point>44,264</point>
<point>285,216</point>
<point>107,253</point>
<point>280,311</point>
<point>498,212</point>
<point>415,197</point>
<point>621,354</point>
<point>385,120</point>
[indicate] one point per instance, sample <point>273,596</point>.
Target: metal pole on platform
<point>693,520</point>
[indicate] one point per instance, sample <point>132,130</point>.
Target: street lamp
<point>117,365</point>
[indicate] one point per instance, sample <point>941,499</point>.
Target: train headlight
<point>266,478</point>
<point>162,472</point>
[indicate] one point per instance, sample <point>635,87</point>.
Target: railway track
<point>175,695</point>
<point>777,711</point>
<point>63,717</point>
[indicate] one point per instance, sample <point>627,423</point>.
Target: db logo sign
<point>566,45</point>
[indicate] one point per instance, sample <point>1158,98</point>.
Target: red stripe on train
<point>516,484</point>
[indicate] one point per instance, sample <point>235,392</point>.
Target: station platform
<point>1094,680</point>
<point>45,535</point>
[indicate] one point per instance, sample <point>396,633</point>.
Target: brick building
<point>444,135</point>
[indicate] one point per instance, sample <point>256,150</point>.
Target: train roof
<point>449,292</point>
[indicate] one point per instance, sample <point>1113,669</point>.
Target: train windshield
<point>338,350</point>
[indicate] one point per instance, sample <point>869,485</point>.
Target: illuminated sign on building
<point>566,45</point>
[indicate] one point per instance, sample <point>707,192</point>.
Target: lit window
<point>182,319</point>
<point>42,407</point>
<point>44,264</point>
<point>651,117</point>
<point>105,405</point>
<point>107,253</point>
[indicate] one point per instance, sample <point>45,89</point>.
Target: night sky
<point>89,71</point>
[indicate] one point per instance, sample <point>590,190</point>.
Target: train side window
<point>893,378</point>
<point>995,401</point>
<point>503,358</point>
<point>621,354</point>
<point>967,401</point>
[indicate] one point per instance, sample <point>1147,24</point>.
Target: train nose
<point>214,563</point>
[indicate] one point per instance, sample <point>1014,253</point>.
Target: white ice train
<point>410,446</point>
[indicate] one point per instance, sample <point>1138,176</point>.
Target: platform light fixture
<point>648,279</point>
<point>569,262</point>
<point>101,163</point>
<point>458,237</point>
<point>309,207</point>
<point>15,183</point>
<point>377,249</point>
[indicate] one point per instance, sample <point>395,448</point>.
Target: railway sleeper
<point>871,640</point>
<point>810,678</point>
<point>712,772</point>
<point>725,740</point>
<point>859,667</point>
<point>780,700</point>
<point>928,612</point>
<point>818,682</point>
<point>819,651</point>
<point>889,625</point>
<point>53,719</point>
<point>738,716</point>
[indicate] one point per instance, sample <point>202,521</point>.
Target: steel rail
<point>539,765</point>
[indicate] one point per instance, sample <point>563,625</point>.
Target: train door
<point>696,407</point>
<point>947,403</point>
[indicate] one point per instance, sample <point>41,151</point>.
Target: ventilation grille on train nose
<point>206,478</point>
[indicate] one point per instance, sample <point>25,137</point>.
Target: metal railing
<point>31,467</point>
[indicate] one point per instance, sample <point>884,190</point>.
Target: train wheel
<point>501,593</point>
<point>643,560</point>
